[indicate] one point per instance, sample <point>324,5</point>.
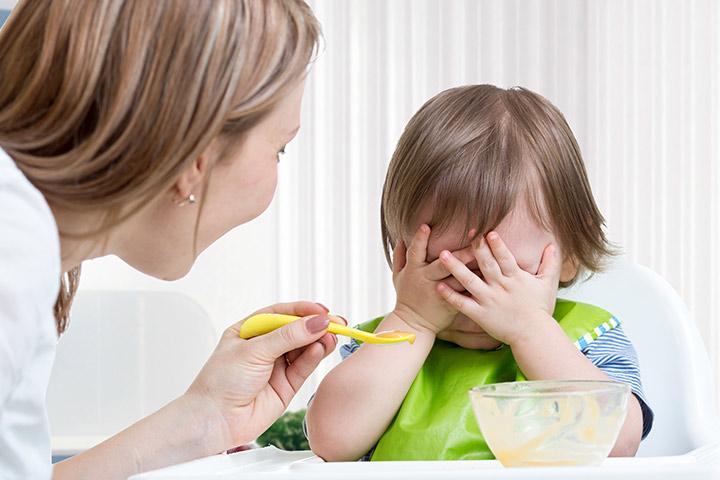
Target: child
<point>488,191</point>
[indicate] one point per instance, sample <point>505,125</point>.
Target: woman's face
<point>159,241</point>
<point>243,182</point>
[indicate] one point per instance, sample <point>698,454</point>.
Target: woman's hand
<point>249,383</point>
<point>507,300</point>
<point>241,390</point>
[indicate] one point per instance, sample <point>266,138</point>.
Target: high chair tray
<point>272,464</point>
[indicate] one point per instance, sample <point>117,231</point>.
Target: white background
<point>636,79</point>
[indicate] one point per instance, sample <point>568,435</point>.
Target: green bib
<point>436,421</point>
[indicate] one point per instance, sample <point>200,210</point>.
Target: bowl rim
<point>601,386</point>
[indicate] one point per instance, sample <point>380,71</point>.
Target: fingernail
<point>327,310</point>
<point>445,255</point>
<point>317,323</point>
<point>492,236</point>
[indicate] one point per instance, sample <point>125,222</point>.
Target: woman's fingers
<point>292,356</point>
<point>504,257</point>
<point>327,341</point>
<point>300,309</point>
<point>464,275</point>
<point>279,383</point>
<point>295,335</point>
<point>304,365</point>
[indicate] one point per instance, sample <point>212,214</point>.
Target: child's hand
<point>507,300</point>
<point>418,302</point>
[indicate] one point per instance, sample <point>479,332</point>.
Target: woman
<point>145,130</point>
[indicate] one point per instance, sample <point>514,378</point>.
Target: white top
<point>29,284</point>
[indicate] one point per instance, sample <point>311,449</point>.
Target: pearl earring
<point>189,200</point>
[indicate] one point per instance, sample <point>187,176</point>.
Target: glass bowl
<point>550,423</point>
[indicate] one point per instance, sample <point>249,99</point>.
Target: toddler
<point>486,211</point>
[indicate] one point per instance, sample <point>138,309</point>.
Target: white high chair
<point>675,368</point>
<point>124,356</point>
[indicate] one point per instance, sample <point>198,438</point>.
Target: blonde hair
<point>474,150</point>
<point>105,102</point>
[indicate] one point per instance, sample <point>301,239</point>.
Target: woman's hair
<point>473,151</point>
<point>105,102</point>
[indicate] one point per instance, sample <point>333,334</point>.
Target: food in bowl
<point>550,423</point>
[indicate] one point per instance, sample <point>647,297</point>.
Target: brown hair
<point>105,102</point>
<point>474,150</point>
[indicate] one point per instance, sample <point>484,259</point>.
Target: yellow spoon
<point>263,323</point>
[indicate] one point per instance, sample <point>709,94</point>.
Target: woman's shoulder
<point>29,244</point>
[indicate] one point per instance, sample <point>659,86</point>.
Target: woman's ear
<point>569,269</point>
<point>192,178</point>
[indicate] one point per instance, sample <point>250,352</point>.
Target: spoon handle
<point>349,332</point>
<point>263,323</point>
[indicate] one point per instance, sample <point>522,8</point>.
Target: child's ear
<point>569,270</point>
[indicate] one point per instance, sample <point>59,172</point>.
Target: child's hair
<point>474,150</point>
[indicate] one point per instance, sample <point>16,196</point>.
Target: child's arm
<point>515,307</point>
<point>551,356</point>
<point>358,399</point>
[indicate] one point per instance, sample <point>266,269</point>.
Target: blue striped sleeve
<point>613,353</point>
<point>349,348</point>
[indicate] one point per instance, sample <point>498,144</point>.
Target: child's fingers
<point>437,269</point>
<point>464,275</point>
<point>550,264</point>
<point>486,261</point>
<point>398,258</point>
<point>460,302</point>
<point>453,283</point>
<point>417,251</point>
<point>504,257</point>
<point>465,255</point>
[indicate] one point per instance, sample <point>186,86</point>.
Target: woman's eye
<point>281,152</point>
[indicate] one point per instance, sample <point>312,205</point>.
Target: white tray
<point>271,463</point>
